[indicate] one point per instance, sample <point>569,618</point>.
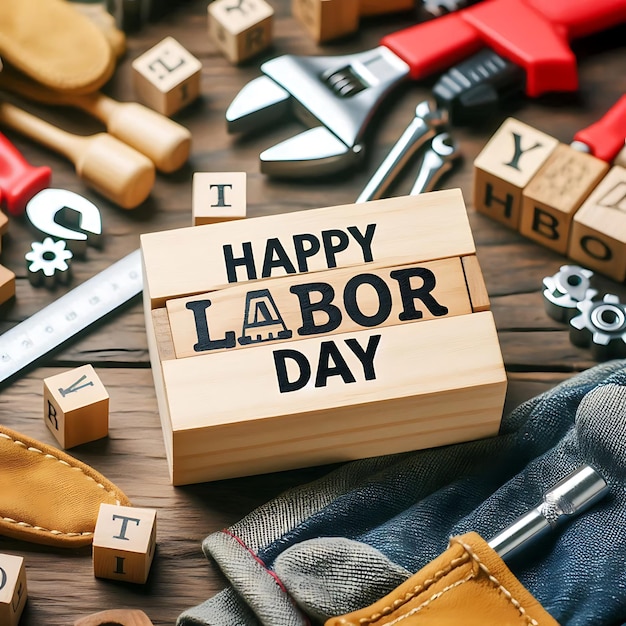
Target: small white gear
<point>48,262</point>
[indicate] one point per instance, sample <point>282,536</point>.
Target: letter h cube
<point>124,542</point>
<point>76,406</point>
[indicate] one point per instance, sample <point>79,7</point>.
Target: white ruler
<point>70,314</point>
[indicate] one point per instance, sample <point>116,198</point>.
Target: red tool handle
<point>606,137</point>
<point>534,34</point>
<point>19,180</point>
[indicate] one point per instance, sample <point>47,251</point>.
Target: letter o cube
<point>13,592</point>
<point>124,542</point>
<point>76,406</point>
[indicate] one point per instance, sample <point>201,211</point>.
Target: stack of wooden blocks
<point>564,199</point>
<point>320,336</point>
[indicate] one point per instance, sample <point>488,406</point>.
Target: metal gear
<point>47,263</point>
<point>600,326</point>
<point>563,291</point>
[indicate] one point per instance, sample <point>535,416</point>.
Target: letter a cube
<point>76,406</point>
<point>13,592</point>
<point>218,197</point>
<point>124,542</point>
<point>240,28</point>
<point>167,77</point>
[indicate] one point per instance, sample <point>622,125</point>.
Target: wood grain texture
<point>536,349</point>
<point>263,310</point>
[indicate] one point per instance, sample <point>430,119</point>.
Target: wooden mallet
<point>111,167</point>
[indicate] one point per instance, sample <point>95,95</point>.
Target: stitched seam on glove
<point>398,602</point>
<point>507,594</point>
<point>51,456</point>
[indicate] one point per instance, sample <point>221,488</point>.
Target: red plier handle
<point>606,137</point>
<point>534,34</point>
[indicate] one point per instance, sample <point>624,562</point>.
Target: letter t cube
<point>124,542</point>
<point>13,591</point>
<point>76,406</point>
<point>218,197</point>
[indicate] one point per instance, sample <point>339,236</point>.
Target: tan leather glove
<point>55,45</point>
<point>47,496</point>
<point>468,584</point>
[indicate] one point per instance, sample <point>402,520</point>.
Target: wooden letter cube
<point>123,543</point>
<point>7,284</point>
<point>556,192</point>
<point>76,406</point>
<point>240,28</point>
<point>505,166</point>
<point>598,238</point>
<point>325,20</point>
<point>13,591</point>
<point>167,77</point>
<point>218,197</point>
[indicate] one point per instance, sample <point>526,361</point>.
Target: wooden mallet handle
<point>111,167</point>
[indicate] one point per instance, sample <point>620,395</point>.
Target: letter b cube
<point>123,543</point>
<point>13,591</point>
<point>76,406</point>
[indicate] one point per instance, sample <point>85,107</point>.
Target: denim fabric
<point>339,543</point>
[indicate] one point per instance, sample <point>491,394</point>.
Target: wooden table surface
<point>537,351</point>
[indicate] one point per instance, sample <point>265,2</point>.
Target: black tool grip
<point>473,90</point>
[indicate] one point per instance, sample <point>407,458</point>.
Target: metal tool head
<point>338,94</point>
<point>59,212</point>
<point>438,159</point>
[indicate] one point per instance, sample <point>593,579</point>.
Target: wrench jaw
<point>340,94</point>
<point>315,152</point>
<point>259,103</point>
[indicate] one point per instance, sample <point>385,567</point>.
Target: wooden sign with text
<point>320,336</point>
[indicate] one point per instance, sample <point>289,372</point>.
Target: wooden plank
<point>386,232</point>
<point>505,166</point>
<point>331,302</point>
<point>475,283</point>
<point>556,192</point>
<point>598,239</point>
<point>267,409</point>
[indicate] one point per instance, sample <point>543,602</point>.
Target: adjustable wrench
<point>338,96</point>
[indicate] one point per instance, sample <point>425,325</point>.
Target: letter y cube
<point>76,406</point>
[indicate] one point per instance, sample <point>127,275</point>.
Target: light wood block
<point>335,389</point>
<point>505,166</point>
<point>476,287</point>
<point>76,406</point>
<point>620,159</point>
<point>555,193</point>
<point>124,543</point>
<point>380,233</point>
<point>240,28</point>
<point>218,197</point>
<point>325,20</point>
<point>421,385</point>
<point>598,237</point>
<point>380,7</point>
<point>13,589</point>
<point>4,224</point>
<point>167,77</point>
<point>7,284</point>
<point>331,302</point>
